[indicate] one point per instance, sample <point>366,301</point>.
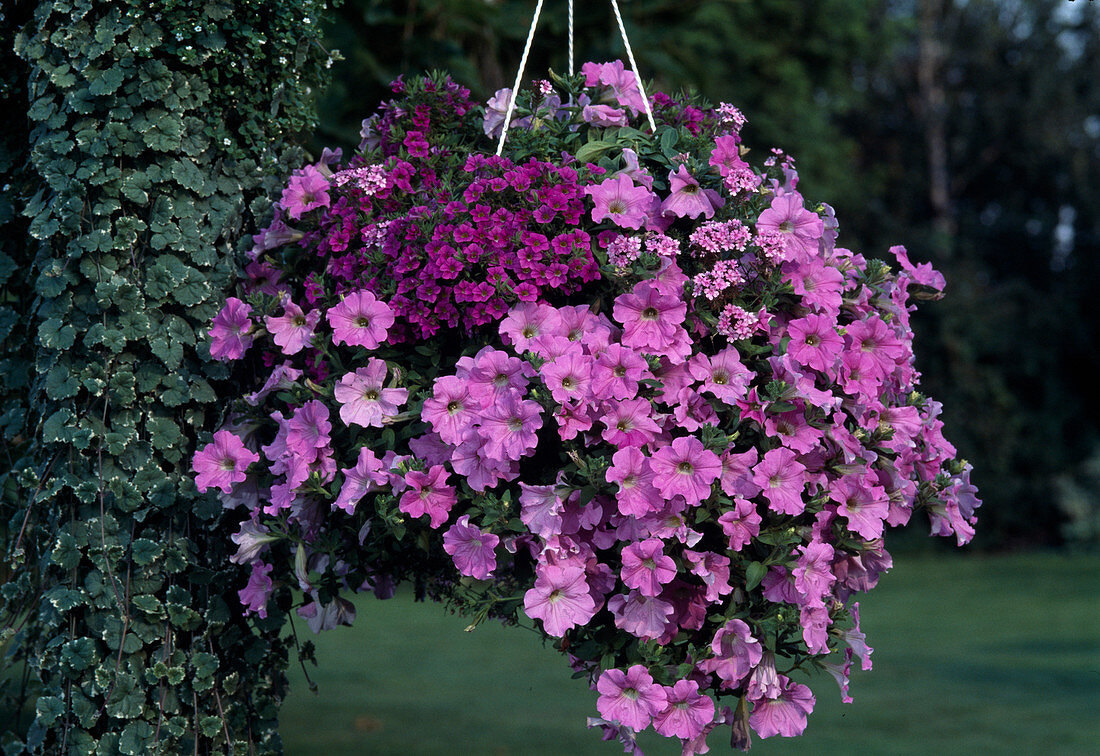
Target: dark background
<point>968,131</point>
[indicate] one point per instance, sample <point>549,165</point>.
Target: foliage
<point>691,490</point>
<point>151,132</point>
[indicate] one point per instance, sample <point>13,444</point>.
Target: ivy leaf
<point>136,739</point>
<point>55,333</point>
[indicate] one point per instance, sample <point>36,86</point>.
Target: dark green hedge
<point>155,128</point>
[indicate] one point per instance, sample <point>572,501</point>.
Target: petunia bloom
<point>646,567</point>
<point>471,549</point>
<point>293,330</point>
<point>222,463</point>
<point>687,199</point>
<point>798,228</point>
<point>231,331</point>
<point>306,190</point>
<point>685,468</point>
<point>363,400</point>
<point>630,698</point>
<point>430,494</point>
<point>686,713</point>
<point>782,477</point>
<point>560,598</point>
<point>786,715</point>
<point>620,200</point>
<point>360,320</point>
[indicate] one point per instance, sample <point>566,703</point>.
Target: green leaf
<point>137,739</point>
<point>754,574</point>
<point>592,151</point>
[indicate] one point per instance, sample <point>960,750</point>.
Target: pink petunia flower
<point>369,474</point>
<point>726,156</point>
<point>560,598</point>
<point>617,371</point>
<point>782,478</point>
<point>630,469</point>
<point>630,698</point>
<point>628,423</point>
<point>814,342</point>
<point>799,228</point>
<point>569,377</point>
<point>449,409</point>
<point>306,190</point>
<point>646,567</point>
<point>360,320</point>
<point>495,374</point>
<point>785,715</point>
<point>641,616</point>
<point>293,330</point>
<point>222,463</point>
<point>813,577</point>
<point>363,400</point>
<point>231,331</point>
<point>741,524</point>
<point>651,321</point>
<point>736,652</point>
<point>713,569</point>
<point>254,596</point>
<point>508,428</point>
<point>686,713</point>
<point>526,322</point>
<point>864,505</point>
<point>687,199</point>
<point>540,510</point>
<point>626,204</point>
<point>685,468</point>
<point>723,375</point>
<point>471,549</point>
<point>430,494</point>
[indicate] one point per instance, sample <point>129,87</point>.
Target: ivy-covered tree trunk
<point>153,128</point>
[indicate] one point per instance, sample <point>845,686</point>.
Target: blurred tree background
<point>968,130</point>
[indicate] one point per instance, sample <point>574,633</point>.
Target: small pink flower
<point>560,598</point>
<point>293,330</point>
<point>741,524</point>
<point>685,468</point>
<point>509,427</point>
<point>862,503</point>
<point>360,320</point>
<point>799,228</point>
<point>254,596</point>
<point>231,331</point>
<point>723,375</point>
<point>369,474</point>
<point>636,495</point>
<point>222,463</point>
<point>526,322</point>
<point>628,423</point>
<point>430,494</point>
<point>629,698</point>
<point>646,567</point>
<point>306,190</point>
<point>569,377</point>
<point>814,342</point>
<point>687,711</point>
<point>617,372</point>
<point>687,199</point>
<point>785,715</point>
<point>363,400</point>
<point>618,198</point>
<point>782,479</point>
<point>736,652</point>
<point>641,616</point>
<point>540,510</point>
<point>471,549</point>
<point>449,409</point>
<point>651,321</point>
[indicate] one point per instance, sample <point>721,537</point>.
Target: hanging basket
<point>614,383</point>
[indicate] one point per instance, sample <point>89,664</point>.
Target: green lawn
<point>974,655</point>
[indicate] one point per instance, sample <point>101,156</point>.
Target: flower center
<point>515,424</point>
<point>616,206</point>
<point>501,379</point>
<point>299,321</point>
<point>555,596</point>
<point>812,340</point>
<point>623,425</point>
<point>775,481</point>
<point>227,463</point>
<point>619,371</point>
<point>786,227</point>
<point>529,332</point>
<point>630,694</point>
<point>362,321</point>
<point>685,468</point>
<point>650,313</point>
<point>567,382</point>
<point>721,377</point>
<point>649,564</point>
<point>371,395</point>
<point>453,407</point>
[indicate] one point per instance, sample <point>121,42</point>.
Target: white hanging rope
<point>633,65</point>
<point>519,77</point>
<point>570,37</point>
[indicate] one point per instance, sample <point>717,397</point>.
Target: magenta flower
<point>651,321</point>
<point>560,598</point>
<point>646,567</point>
<point>495,374</point>
<point>736,652</point>
<point>222,463</point>
<point>430,494</point>
<point>741,524</point>
<point>782,478</point>
<point>293,330</point>
<point>686,713</point>
<point>814,342</point>
<point>723,375</point>
<point>540,510</point>
<point>628,423</point>
<point>685,468</point>
<point>617,372</point>
<point>527,322</point>
<point>687,199</point>
<point>369,474</point>
<point>863,504</point>
<point>786,715</point>
<point>641,616</point>
<point>254,596</point>
<point>471,550</point>
<point>308,431</point>
<point>306,190</point>
<point>726,156</point>
<point>569,377</point>
<point>449,410</point>
<point>363,400</point>
<point>360,320</point>
<point>630,698</point>
<point>630,469</point>
<point>713,569</point>
<point>231,331</point>
<point>509,427</point>
<point>799,228</point>
<point>813,577</point>
<point>618,198</point>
